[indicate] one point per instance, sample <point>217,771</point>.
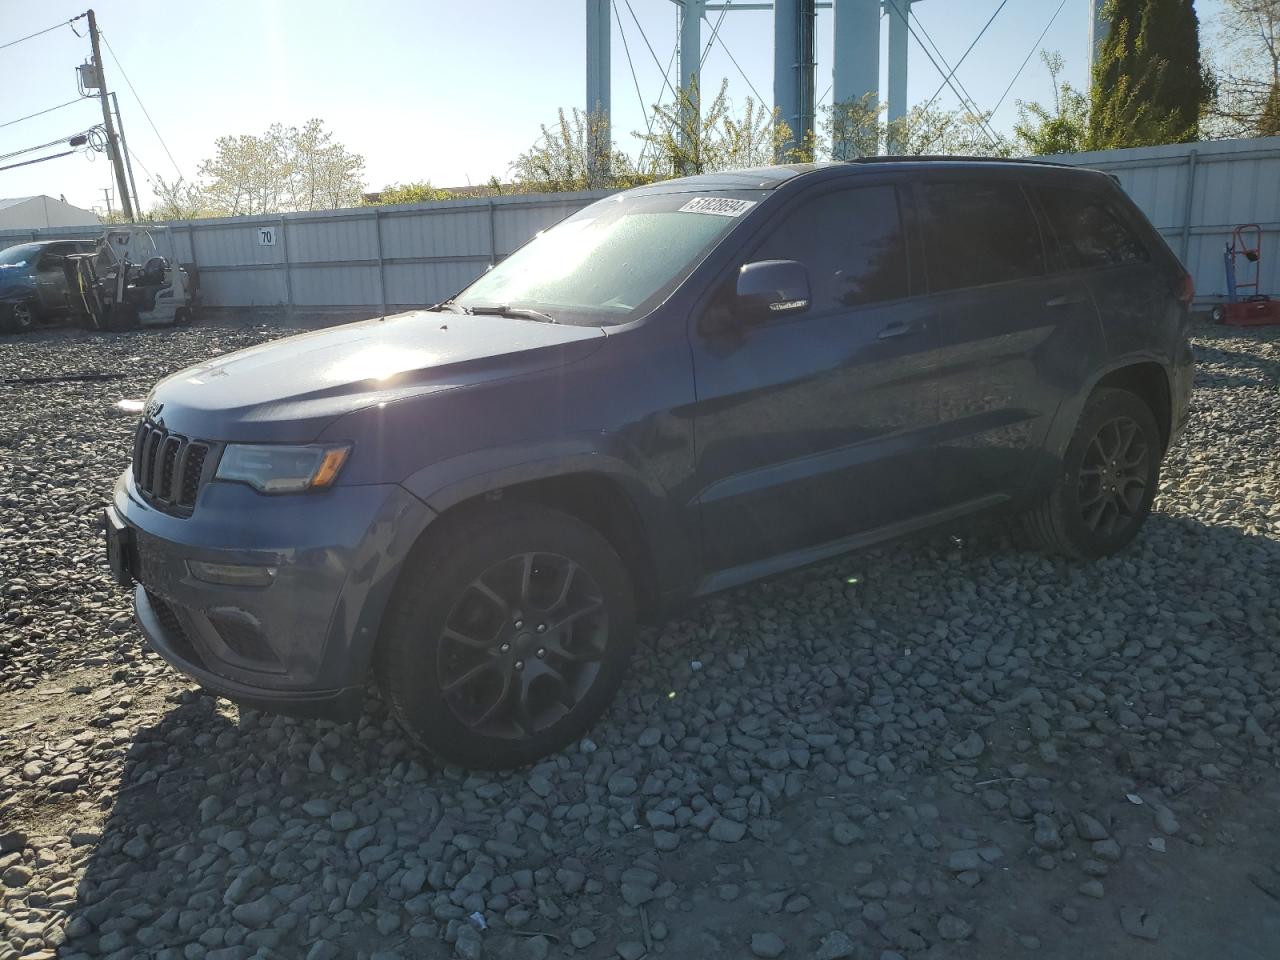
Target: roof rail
<point>935,157</point>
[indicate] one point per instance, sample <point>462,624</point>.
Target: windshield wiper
<point>446,305</point>
<point>518,313</point>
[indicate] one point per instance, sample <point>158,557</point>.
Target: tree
<point>1065,128</point>
<point>285,169</point>
<point>1247,68</point>
<point>1149,86</point>
<point>1269,122</point>
<point>419,191</point>
<point>567,156</point>
<point>689,137</point>
<point>178,200</point>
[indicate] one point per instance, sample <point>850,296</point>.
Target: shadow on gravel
<point>268,837</point>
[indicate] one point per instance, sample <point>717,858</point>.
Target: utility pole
<point>106,195</point>
<point>113,142</point>
<point>600,139</point>
<point>124,148</point>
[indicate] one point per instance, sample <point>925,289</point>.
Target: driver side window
<point>852,243</point>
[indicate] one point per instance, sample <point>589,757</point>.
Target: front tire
<point>22,318</point>
<point>509,635</point>
<point>1107,482</point>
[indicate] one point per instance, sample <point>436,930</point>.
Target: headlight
<point>271,468</point>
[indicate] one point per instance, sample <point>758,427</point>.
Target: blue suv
<point>679,389</point>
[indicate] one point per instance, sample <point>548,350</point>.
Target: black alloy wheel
<point>1113,477</point>
<point>509,633</point>
<point>522,646</point>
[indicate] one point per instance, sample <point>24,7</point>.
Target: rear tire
<point>1107,482</point>
<point>510,632</point>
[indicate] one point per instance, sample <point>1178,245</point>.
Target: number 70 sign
<point>266,236</point>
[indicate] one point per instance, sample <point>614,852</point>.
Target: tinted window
<point>852,244</point>
<point>978,233</point>
<point>1090,231</point>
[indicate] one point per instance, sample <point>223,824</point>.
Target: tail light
<point>1185,289</point>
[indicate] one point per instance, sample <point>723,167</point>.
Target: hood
<point>290,389</point>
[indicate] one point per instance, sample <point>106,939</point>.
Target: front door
<point>816,426</point>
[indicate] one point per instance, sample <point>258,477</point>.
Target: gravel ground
<point>941,748</point>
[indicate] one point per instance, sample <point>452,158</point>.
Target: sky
<point>449,92</point>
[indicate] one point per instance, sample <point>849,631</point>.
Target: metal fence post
<point>284,250</point>
<point>382,268</point>
<point>493,235</point>
<point>1187,209</point>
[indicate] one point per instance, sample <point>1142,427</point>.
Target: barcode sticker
<point>720,206</point>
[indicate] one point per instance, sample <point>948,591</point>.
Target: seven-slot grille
<point>168,468</point>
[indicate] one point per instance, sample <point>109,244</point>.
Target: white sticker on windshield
<point>720,206</point>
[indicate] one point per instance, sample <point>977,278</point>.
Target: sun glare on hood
<point>379,362</point>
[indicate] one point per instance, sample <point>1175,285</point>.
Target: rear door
<point>1100,245</point>
<point>1018,334</point>
<point>817,425</point>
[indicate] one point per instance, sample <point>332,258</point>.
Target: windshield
<point>613,260</point>
<point>20,255</point>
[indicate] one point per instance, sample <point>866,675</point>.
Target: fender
<point>449,482</point>
<point>1068,415</point>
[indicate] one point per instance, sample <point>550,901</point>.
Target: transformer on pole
<point>598,63</point>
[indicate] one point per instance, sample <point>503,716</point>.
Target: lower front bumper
<point>166,636</point>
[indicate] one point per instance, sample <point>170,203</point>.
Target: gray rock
<point>951,927</point>
<point>727,831</point>
<point>767,945</point>
<point>835,946</point>
<point>971,747</point>
<point>257,913</point>
<point>1138,923</point>
<point>631,950</point>
<point>1089,828</point>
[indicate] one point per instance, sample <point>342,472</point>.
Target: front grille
<point>168,469</point>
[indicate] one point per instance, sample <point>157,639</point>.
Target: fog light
<point>232,574</point>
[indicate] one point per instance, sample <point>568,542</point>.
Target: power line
<point>964,99</point>
<point>51,143</point>
<point>1031,54</point>
<point>27,163</point>
<point>960,62</point>
<point>725,47</point>
<point>702,61</point>
<point>967,100</point>
<point>39,33</point>
<point>626,48</point>
<point>124,74</point>
<point>41,113</point>
<point>645,37</point>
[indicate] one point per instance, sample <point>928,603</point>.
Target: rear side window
<point>978,233</point>
<point>852,244</point>
<point>1091,231</point>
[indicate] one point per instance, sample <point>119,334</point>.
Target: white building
<point>17,213</point>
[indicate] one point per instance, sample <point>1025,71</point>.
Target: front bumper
<point>301,644</point>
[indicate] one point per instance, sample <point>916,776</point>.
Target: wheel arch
<point>1148,380</point>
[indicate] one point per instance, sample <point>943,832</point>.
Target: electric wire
<point>645,37</point>
<point>963,100</point>
<point>967,100</point>
<point>27,163</point>
<point>626,48</point>
<point>145,113</point>
<point>715,29</point>
<point>39,33</point>
<point>40,113</point>
<point>725,47</point>
<point>965,56</point>
<point>1034,47</point>
<point>51,143</point>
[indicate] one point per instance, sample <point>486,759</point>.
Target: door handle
<point>899,328</point>
<point>1063,301</point>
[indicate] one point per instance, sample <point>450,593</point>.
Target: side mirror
<point>771,288</point>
